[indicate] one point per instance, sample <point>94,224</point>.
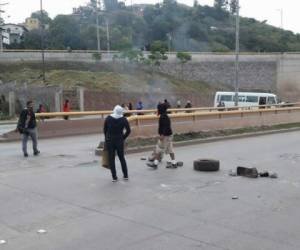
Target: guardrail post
<point>81,98</point>
<point>12,103</point>
<point>57,101</point>
<point>137,123</point>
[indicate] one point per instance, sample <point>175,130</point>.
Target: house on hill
<point>12,33</point>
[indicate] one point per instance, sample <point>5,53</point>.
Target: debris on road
<point>178,164</point>
<point>247,172</point>
<point>143,158</point>
<point>251,173</point>
<point>234,197</point>
<point>232,173</point>
<point>2,242</point>
<point>273,175</point>
<point>42,231</point>
<point>264,174</point>
<point>206,165</point>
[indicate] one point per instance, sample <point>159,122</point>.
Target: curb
<point>208,140</point>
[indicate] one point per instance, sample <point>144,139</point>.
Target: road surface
<point>66,193</point>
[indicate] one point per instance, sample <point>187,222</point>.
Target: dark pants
<point>112,147</point>
<point>32,133</point>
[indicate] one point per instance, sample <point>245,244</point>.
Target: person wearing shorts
<point>165,141</point>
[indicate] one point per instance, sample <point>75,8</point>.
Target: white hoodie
<point>117,112</point>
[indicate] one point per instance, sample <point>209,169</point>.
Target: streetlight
<point>42,40</point>
<point>237,52</point>
<point>281,17</point>
<point>97,26</point>
<point>107,36</point>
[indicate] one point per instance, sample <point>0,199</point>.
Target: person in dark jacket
<point>165,141</point>
<point>140,106</point>
<point>27,127</point>
<point>168,105</point>
<point>114,126</point>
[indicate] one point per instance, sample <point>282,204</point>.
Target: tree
<point>158,51</point>
<point>111,5</point>
<point>197,28</point>
<point>132,55</point>
<point>65,32</point>
<point>43,17</point>
<point>183,58</point>
<point>233,6</point>
<point>220,4</point>
<point>32,39</point>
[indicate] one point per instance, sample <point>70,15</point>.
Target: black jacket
<point>23,123</point>
<point>114,129</point>
<point>164,125</point>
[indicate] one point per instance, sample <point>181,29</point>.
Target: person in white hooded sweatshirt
<point>114,127</point>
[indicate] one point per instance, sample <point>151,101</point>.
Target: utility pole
<point>1,38</point>
<point>281,17</point>
<point>237,53</point>
<point>97,26</point>
<point>42,41</point>
<point>107,36</point>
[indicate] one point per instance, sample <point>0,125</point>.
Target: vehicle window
<point>218,98</point>
<point>271,100</point>
<point>226,98</point>
<point>252,99</point>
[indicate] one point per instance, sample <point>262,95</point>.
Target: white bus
<point>226,99</point>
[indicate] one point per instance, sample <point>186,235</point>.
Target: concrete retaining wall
<point>269,72</point>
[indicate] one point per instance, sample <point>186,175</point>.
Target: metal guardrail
<point>185,112</point>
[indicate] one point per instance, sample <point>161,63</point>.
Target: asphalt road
<point>65,192</point>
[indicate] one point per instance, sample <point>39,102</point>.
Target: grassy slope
<point>98,77</point>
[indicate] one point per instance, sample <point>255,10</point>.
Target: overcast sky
<point>18,10</point>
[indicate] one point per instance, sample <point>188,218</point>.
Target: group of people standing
<point>116,130</point>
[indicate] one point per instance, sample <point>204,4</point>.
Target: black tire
<point>206,165</point>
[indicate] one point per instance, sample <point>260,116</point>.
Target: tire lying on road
<point>206,165</point>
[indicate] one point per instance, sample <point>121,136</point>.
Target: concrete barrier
<point>147,125</point>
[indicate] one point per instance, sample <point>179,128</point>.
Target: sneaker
<point>152,165</point>
<point>36,153</point>
<point>171,165</point>
<point>125,178</point>
<point>26,155</point>
<point>174,165</point>
<point>114,180</point>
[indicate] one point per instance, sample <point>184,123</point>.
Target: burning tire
<point>206,165</point>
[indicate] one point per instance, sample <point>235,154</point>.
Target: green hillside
<point>182,28</point>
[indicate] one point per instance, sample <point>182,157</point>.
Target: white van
<point>246,99</point>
